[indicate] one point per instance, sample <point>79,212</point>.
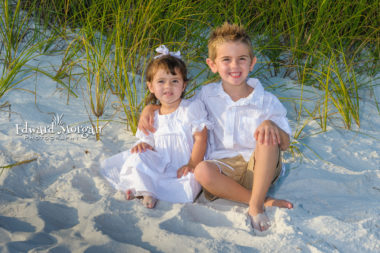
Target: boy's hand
<point>268,133</point>
<point>146,120</point>
<point>141,147</point>
<point>184,170</point>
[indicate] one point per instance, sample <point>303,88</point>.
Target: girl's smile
<point>167,88</point>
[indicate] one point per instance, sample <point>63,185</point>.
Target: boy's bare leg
<point>208,175</point>
<point>265,164</point>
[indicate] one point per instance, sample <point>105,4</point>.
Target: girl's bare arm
<point>197,155</point>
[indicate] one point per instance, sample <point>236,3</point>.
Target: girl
<point>158,166</point>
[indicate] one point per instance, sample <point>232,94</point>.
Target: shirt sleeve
<point>277,114</point>
<point>197,116</point>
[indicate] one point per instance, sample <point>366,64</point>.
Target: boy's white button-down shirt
<point>235,122</point>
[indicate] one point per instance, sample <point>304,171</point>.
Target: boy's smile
<point>232,62</point>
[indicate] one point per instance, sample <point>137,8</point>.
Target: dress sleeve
<point>197,116</point>
<point>144,138</point>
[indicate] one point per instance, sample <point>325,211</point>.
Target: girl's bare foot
<point>149,201</point>
<point>282,203</point>
<point>129,195</point>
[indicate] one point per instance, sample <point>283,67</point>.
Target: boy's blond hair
<point>225,33</point>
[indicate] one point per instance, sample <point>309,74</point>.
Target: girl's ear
<point>212,65</point>
<point>150,87</point>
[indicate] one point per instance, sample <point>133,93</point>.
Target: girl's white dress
<point>154,172</point>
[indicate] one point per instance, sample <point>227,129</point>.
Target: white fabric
<point>155,172</point>
<point>163,50</point>
<point>234,123</point>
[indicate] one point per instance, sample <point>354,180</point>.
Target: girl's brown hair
<point>169,63</point>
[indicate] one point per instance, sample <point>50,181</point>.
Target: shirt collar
<point>255,98</point>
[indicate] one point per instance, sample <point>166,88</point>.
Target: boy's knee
<point>267,148</point>
<point>202,173</point>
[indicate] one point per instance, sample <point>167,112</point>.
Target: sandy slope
<point>59,203</point>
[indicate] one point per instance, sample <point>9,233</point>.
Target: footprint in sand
<point>15,225</point>
<point>87,187</point>
<point>39,241</point>
<point>122,228</point>
<point>57,216</point>
<point>192,219</point>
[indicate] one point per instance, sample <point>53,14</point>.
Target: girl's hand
<point>184,170</point>
<point>146,120</point>
<point>268,133</point>
<point>141,147</point>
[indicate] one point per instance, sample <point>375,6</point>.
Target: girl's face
<point>167,88</point>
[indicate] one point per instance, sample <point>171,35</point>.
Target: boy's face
<point>232,62</point>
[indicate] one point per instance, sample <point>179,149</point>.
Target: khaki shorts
<point>240,171</point>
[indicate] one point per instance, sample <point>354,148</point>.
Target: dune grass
<point>320,44</point>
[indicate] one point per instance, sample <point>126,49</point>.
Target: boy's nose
<point>234,63</point>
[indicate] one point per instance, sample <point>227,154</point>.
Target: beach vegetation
<point>320,45</point>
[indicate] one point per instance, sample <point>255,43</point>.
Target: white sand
<point>59,202</point>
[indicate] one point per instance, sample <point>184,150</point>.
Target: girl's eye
<point>175,81</point>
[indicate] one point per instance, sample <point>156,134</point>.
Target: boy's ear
<point>253,63</point>
<point>212,65</point>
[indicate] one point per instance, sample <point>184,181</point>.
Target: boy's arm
<point>269,133</point>
<point>284,140</point>
<point>146,121</point>
<point>141,147</point>
<point>198,153</point>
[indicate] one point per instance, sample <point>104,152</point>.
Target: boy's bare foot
<point>259,221</point>
<point>149,201</point>
<point>282,203</point>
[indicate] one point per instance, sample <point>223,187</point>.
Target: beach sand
<point>60,203</point>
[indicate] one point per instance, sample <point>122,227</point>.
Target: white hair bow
<point>163,50</point>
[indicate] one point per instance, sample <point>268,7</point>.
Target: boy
<point>250,128</point>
